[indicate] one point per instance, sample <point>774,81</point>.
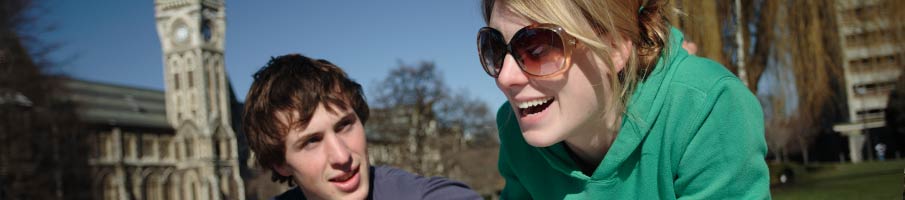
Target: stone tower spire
<point>192,37</point>
<point>192,34</point>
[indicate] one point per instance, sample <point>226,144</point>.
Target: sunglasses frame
<point>568,41</point>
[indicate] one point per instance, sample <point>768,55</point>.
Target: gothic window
<point>206,31</point>
<point>95,145</point>
<point>147,147</point>
<point>133,146</point>
<point>111,188</point>
<point>139,146</point>
<point>191,80</point>
<point>210,90</point>
<point>165,151</point>
<point>213,103</point>
<point>216,85</point>
<point>179,151</point>
<point>127,146</point>
<point>104,149</point>
<point>176,81</point>
<point>224,149</point>
<point>188,148</point>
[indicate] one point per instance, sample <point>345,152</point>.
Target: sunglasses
<point>541,50</point>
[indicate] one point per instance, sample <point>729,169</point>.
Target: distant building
<point>872,64</point>
<point>137,154</point>
<point>179,143</point>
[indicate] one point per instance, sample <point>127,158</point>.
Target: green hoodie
<point>692,130</point>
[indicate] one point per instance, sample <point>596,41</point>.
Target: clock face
<point>180,32</point>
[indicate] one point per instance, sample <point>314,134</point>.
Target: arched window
<point>111,188</point>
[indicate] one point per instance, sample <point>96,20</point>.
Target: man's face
<point>328,159</point>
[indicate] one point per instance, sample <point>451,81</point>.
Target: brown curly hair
<point>293,83</point>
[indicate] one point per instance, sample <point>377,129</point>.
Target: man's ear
<point>282,169</point>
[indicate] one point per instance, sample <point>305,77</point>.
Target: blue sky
<point>116,41</point>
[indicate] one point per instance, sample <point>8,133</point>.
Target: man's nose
<point>338,154</point>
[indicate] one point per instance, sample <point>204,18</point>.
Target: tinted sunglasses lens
<point>492,49</point>
<point>539,51</point>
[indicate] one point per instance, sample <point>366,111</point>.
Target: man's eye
<point>310,142</point>
<point>344,125</point>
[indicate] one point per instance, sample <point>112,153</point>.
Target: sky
<point>116,42</point>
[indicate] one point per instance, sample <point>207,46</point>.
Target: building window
<point>130,146</point>
<point>176,80</point>
<point>871,114</point>
<point>166,151</point>
<point>140,146</point>
<point>188,148</point>
<point>874,88</point>
<point>147,147</point>
<point>191,80</point>
<point>103,149</point>
<point>217,150</point>
<point>224,149</point>
<point>110,151</point>
<point>96,145</point>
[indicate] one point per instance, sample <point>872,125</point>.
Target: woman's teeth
<point>537,102</point>
<point>534,106</point>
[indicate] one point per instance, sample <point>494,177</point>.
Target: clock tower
<point>198,98</point>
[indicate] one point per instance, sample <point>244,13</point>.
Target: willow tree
<point>799,38</point>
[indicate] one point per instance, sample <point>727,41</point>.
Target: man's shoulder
<point>390,176</point>
<point>393,183</point>
<point>392,172</point>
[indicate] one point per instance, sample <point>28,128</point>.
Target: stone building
<point>872,62</point>
<point>136,154</point>
<point>179,143</point>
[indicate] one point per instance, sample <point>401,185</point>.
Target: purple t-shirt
<point>392,183</point>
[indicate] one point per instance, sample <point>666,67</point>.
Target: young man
<point>304,119</point>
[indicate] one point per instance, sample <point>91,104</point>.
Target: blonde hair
<point>597,24</point>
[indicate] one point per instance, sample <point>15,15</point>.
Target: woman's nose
<point>511,75</point>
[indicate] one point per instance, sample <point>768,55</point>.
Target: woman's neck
<point>591,144</point>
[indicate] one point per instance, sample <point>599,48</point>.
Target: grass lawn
<point>869,180</point>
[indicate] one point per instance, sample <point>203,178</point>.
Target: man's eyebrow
<point>348,118</point>
<point>304,137</point>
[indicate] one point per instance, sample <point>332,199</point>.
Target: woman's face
<point>553,109</point>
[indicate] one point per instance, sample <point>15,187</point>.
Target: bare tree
<point>405,108</point>
<point>42,151</point>
<point>462,113</point>
<point>437,130</point>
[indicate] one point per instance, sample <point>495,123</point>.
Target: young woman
<point>604,103</point>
